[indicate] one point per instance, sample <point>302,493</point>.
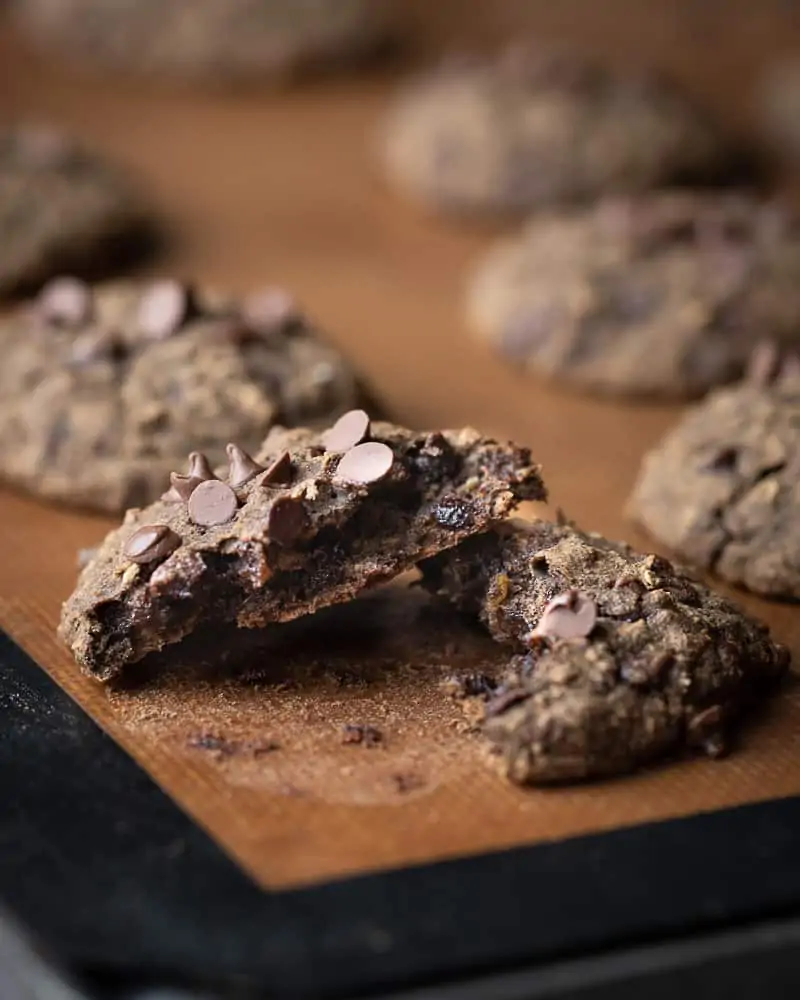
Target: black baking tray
<point>121,886</point>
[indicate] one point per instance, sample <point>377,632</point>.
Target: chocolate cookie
<point>535,127</point>
<point>213,40</point>
<point>661,295</point>
<point>62,207</point>
<point>104,391</point>
<point>723,487</point>
<point>627,658</point>
<point>311,521</point>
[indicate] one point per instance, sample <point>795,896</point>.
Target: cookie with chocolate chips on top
<point>103,391</point>
<point>309,521</point>
<point>63,207</point>
<point>662,295</point>
<point>623,658</point>
<point>722,489</point>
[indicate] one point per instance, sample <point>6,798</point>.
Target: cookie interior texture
<point>661,295</point>
<point>63,207</point>
<point>104,391</point>
<point>212,40</point>
<point>661,663</point>
<point>722,489</point>
<point>537,126</point>
<point>308,529</point>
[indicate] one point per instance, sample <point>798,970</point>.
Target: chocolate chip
<point>280,472</point>
<point>181,488</point>
<point>348,431</point>
<point>212,502</point>
<point>153,541</point>
<point>163,309</point>
<point>366,463</point>
<point>199,466</point>
<point>242,466</point>
<point>571,615</point>
<point>269,311</point>
<point>286,520</point>
<point>65,302</point>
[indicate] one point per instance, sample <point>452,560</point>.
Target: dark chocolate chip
<point>366,463</point>
<point>286,520</point>
<point>163,309</point>
<point>279,472</point>
<point>212,502</point>
<point>152,541</point>
<point>65,302</point>
<point>200,467</point>
<point>348,431</point>
<point>571,615</point>
<point>242,466</point>
<point>181,488</point>
<point>269,311</point>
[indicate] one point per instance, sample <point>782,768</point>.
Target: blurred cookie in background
<point>539,125</point>
<point>777,108</point>
<point>722,489</point>
<point>104,391</point>
<point>210,40</point>
<point>63,207</point>
<point>662,294</point>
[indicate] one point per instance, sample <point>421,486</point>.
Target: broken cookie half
<point>623,658</point>
<point>311,520</point>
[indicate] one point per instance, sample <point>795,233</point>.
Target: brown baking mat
<point>281,188</point>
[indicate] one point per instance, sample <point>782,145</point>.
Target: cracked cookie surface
<point>660,295</point>
<point>628,658</point>
<point>62,207</point>
<point>722,489</point>
<point>105,390</point>
<point>303,525</point>
<point>535,126</point>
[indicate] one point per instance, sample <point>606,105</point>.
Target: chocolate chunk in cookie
<point>277,547</point>
<point>661,295</point>
<point>210,40</point>
<point>104,390</point>
<point>721,489</point>
<point>63,208</point>
<point>625,659</point>
<point>535,127</point>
